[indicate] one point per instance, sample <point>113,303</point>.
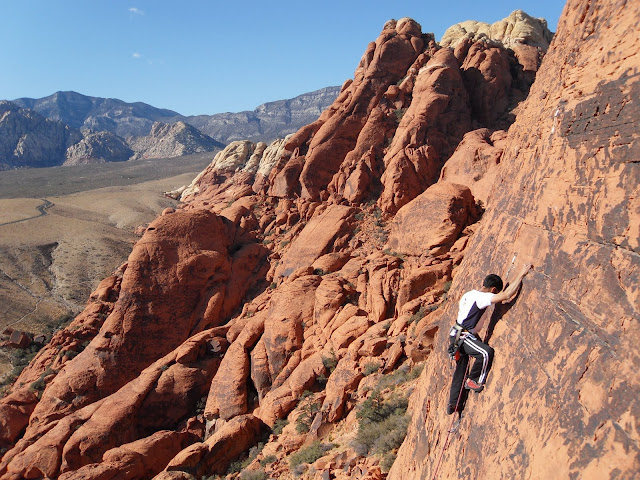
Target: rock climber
<point>464,339</point>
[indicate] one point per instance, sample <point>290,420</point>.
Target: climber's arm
<point>508,293</point>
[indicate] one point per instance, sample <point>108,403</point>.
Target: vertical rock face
<point>561,400</point>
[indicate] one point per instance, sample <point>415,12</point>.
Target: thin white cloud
<point>136,55</point>
<point>136,11</point>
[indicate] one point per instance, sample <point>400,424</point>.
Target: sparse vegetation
<point>308,410</point>
<point>382,424</point>
<point>242,463</point>
<point>40,384</point>
<point>398,377</point>
<point>279,426</point>
<point>399,113</point>
<point>391,253</point>
<point>319,271</point>
<point>387,461</point>
<point>269,459</point>
<point>330,363</point>
<point>370,368</point>
<point>309,454</point>
<point>253,475</point>
<point>419,315</point>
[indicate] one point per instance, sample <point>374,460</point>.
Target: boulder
<point>432,222</point>
<point>320,236</point>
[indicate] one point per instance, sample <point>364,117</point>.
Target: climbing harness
<point>455,423</point>
<point>454,347</point>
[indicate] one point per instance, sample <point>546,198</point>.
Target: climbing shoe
<point>451,409</point>
<point>473,385</point>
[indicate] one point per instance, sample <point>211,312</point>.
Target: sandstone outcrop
<point>517,29</point>
<point>98,147</point>
<point>566,341</point>
<point>172,140</point>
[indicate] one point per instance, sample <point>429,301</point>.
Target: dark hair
<point>492,280</point>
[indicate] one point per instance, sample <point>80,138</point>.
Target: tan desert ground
<point>63,229</point>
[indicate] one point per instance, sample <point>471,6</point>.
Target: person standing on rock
<point>464,339</point>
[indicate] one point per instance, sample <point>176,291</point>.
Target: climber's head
<point>492,283</point>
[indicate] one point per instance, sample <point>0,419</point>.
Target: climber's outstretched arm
<point>508,293</point>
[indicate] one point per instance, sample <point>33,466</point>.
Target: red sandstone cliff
<point>310,280</point>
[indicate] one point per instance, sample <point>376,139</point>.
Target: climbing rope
<point>450,430</point>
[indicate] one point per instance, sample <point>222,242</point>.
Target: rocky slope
<point>172,140</point>
<point>98,147</point>
<point>27,139</point>
<point>283,314</point>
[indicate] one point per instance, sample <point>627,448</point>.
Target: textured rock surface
<point>172,140</point>
<point>97,148</point>
<point>27,139</point>
<point>432,222</point>
<point>565,200</point>
<point>517,29</point>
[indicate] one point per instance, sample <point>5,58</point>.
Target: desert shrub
<point>242,463</point>
<point>279,426</point>
<point>382,424</point>
<point>419,315</point>
<point>39,384</point>
<point>387,461</point>
<point>399,113</point>
<point>319,271</point>
<point>309,454</point>
<point>253,475</point>
<point>330,363</point>
<point>399,376</point>
<point>268,460</point>
<point>308,410</point>
<point>370,368</point>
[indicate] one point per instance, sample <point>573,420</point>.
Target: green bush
<point>308,410</point>
<point>419,315</point>
<point>370,368</point>
<point>382,424</point>
<point>309,454</point>
<point>330,363</point>
<point>279,426</point>
<point>268,460</point>
<point>242,463</point>
<point>253,475</point>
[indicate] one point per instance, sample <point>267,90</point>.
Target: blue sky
<point>205,57</point>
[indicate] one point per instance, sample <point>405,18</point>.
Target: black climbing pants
<point>483,355</point>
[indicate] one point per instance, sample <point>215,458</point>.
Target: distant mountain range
<point>267,122</point>
<point>68,128</point>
